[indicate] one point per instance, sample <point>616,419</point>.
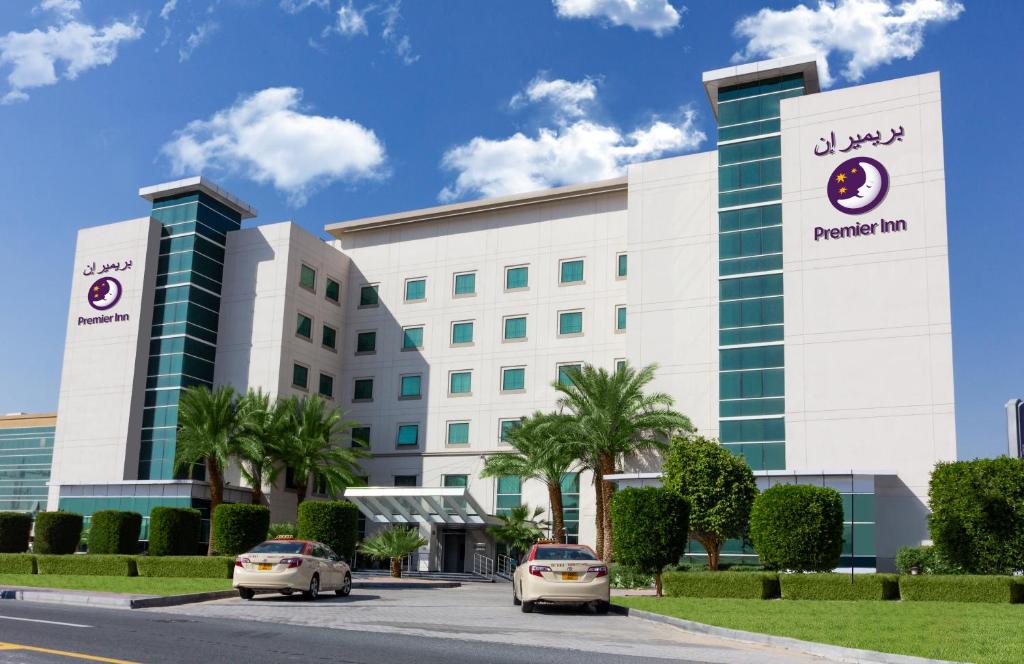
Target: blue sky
<point>323,110</point>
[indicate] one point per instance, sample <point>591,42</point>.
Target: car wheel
<point>527,607</point>
<point>346,586</point>
<point>314,589</point>
<point>602,607</point>
<point>515,598</point>
<point>246,593</point>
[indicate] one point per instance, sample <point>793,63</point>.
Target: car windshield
<point>278,547</point>
<point>563,553</point>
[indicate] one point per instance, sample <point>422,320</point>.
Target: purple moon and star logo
<point>858,185</point>
<point>104,293</point>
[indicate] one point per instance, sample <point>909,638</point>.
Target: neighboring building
<point>1015,428</point>
<point>26,451</point>
<point>792,287</point>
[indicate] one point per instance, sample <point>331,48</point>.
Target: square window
<point>620,266</point>
<point>506,427</point>
<point>513,379</point>
<point>564,372</point>
<point>570,322</point>
<point>415,290</point>
<point>369,296</point>
<point>326,386</point>
<point>332,291</point>
<point>300,376</point>
<point>571,272</point>
<point>515,328</point>
<point>620,318</point>
<point>363,390</point>
<point>366,342</point>
<point>456,480</point>
<point>329,337</point>
<point>517,278</point>
<point>307,277</point>
<point>462,333</point>
<point>465,284</point>
<point>460,382</point>
<point>458,433</point>
<point>408,435</point>
<point>620,365</point>
<point>304,327</point>
<point>411,386</point>
<point>361,437</point>
<point>412,338</point>
<point>405,480</point>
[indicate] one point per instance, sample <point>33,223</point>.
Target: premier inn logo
<point>858,185</point>
<point>104,294</point>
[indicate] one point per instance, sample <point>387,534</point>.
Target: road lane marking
<point>63,653</point>
<point>46,622</point>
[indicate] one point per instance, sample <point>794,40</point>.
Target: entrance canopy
<point>427,505</point>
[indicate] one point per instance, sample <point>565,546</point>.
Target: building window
<point>329,337</point>
<point>510,494</point>
<point>326,386</point>
<point>571,271</point>
<point>408,435</point>
<point>300,376</point>
<point>465,284</point>
<point>620,318</point>
<point>462,333</point>
<point>369,295</point>
<point>307,278</point>
<point>361,437</point>
<point>366,342</point>
<point>332,292</point>
<point>459,481</point>
<point>513,379</point>
<point>515,328</point>
<point>363,390</point>
<point>411,386</point>
<point>620,266</point>
<point>565,372</point>
<point>458,433</point>
<point>412,338</point>
<point>460,382</point>
<point>304,327</point>
<point>570,323</point>
<point>620,365</point>
<point>517,278</point>
<point>415,290</point>
<point>405,480</point>
<point>506,427</point>
<point>571,506</point>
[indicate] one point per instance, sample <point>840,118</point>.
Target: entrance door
<point>453,549</point>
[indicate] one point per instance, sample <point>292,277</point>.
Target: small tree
<point>14,531</point>
<point>520,528</point>
<point>57,532</point>
<point>798,527</point>
<point>238,528</point>
<point>651,529</point>
<point>111,531</point>
<point>333,522</point>
<point>393,544</point>
<point>718,486</point>
<point>174,531</point>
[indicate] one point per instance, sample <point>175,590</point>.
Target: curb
<point>405,585</point>
<point>178,600</point>
<point>834,653</point>
<point>111,600</point>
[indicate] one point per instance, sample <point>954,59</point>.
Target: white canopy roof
<point>428,505</point>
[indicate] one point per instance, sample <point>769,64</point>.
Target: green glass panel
<point>300,376</point>
<point>366,342</point>
<point>304,326</point>
<point>750,407</point>
<point>570,322</point>
<point>326,386</point>
<point>405,480</point>
<point>360,436</point>
<point>743,431</point>
<point>368,296</point>
<point>363,389</point>
<point>458,433</point>
<point>748,287</point>
<point>456,480</point>
<point>510,484</point>
<point>465,284</point>
<point>412,338</point>
<point>571,272</point>
<point>330,337</point>
<point>758,357</point>
<point>750,196</point>
<point>517,277</point>
<point>333,290</point>
<point>622,266</point>
<point>506,427</point>
<point>571,483</point>
<point>415,289</point>
<point>411,386</point>
<point>515,328</point>
<point>307,277</point>
<point>408,434</point>
<point>462,333</point>
<point>751,335</point>
<point>460,382</point>
<point>566,371</point>
<point>513,379</point>
<point>620,318</point>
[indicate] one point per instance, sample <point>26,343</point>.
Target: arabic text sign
<point>90,269</point>
<point>829,145</point>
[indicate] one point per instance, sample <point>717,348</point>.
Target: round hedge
<point>14,531</point>
<point>333,522</point>
<point>174,531</point>
<point>111,531</point>
<point>651,529</point>
<point>57,532</point>
<point>238,528</point>
<point>798,528</point>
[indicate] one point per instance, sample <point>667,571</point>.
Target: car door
<point>323,566</point>
<point>338,568</point>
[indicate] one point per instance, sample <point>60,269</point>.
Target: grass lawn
<point>138,585</point>
<point>982,633</point>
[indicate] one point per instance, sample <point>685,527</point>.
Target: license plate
<point>264,567</point>
<point>570,576</point>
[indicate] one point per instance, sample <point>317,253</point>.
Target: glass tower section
<point>26,454</point>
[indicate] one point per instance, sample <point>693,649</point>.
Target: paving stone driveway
<point>484,612</point>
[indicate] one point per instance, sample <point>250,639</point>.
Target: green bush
<point>87,565</point>
<point>238,528</point>
<point>14,531</point>
<point>839,586</point>
<point>57,533</point>
<point>194,567</point>
<point>624,576</point>
<point>174,531</point>
<point>962,588</point>
<point>333,522</point>
<point>111,531</point>
<point>977,518</point>
<point>753,585</point>
<point>798,527</point>
<point>17,563</point>
<point>925,558</point>
<point>279,529</point>
<point>651,528</point>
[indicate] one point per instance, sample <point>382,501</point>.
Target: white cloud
<point>866,33</point>
<point>351,21</point>
<point>267,138</point>
<point>34,56</point>
<point>399,43</point>
<point>168,8</point>
<point>577,149</point>
<point>296,6</point>
<point>202,32</point>
<point>64,9</point>
<point>658,16</point>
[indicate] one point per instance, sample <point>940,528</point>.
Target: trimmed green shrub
<point>279,529</point>
<point>111,531</point>
<point>14,531</point>
<point>839,586</point>
<point>87,565</point>
<point>753,585</point>
<point>977,518</point>
<point>194,567</point>
<point>238,528</point>
<point>925,558</point>
<point>651,529</point>
<point>333,522</point>
<point>57,533</point>
<point>962,588</point>
<point>798,527</point>
<point>17,563</point>
<point>174,531</point>
<point>624,576</point>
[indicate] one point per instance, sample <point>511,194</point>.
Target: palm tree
<point>543,452</point>
<point>265,426</point>
<point>520,528</point>
<point>313,448</point>
<point>393,544</point>
<point>208,434</point>
<point>613,416</point>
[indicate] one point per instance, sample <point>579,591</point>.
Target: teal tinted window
<point>751,384</point>
<point>304,326</point>
<point>750,174</point>
<point>753,108</point>
<point>368,296</point>
<point>415,289</point>
<point>405,480</point>
<point>506,427</point>
<point>757,357</point>
<point>509,493</point>
<point>456,480</point>
<point>744,313</point>
<point>458,433</point>
<point>751,407</point>
<point>750,150</point>
<point>513,379</point>
<point>333,290</point>
<point>620,365</point>
<point>515,328</point>
<point>734,266</point>
<point>750,243</point>
<point>517,277</point>
<point>366,342</point>
<point>465,284</point>
<point>571,272</point>
<point>363,389</point>
<point>330,337</point>
<point>756,217</point>
<point>411,386</point>
<point>750,196</point>
<point>621,265</point>
<point>300,376</point>
<point>360,436</point>
<point>566,371</point>
<point>462,333</point>
<point>748,287</point>
<point>412,338</point>
<point>408,434</point>
<point>327,386</point>
<point>741,431</point>
<point>749,129</point>
<point>307,277</point>
<point>570,322</point>
<point>620,318</point>
<point>460,382</point>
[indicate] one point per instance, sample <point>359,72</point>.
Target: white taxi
<point>287,565</point>
<point>561,574</point>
